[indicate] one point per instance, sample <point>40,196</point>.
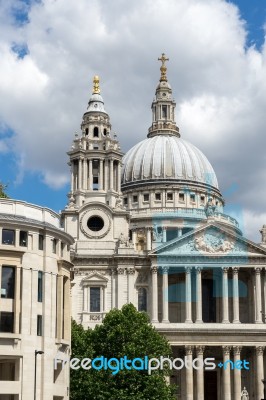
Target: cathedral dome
<point>166,157</point>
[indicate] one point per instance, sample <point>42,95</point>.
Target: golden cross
<point>163,59</point>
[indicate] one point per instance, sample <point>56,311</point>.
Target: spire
<point>96,85</point>
<point>163,68</point>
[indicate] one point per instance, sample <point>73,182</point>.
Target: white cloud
<point>219,86</point>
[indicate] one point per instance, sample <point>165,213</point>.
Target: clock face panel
<point>95,223</point>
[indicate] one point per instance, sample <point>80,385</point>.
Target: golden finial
<point>96,84</point>
<point>163,68</point>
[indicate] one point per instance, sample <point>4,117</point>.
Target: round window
<point>95,223</point>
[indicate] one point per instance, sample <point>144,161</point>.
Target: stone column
<point>189,373</point>
<point>200,374</point>
<point>226,374</point>
<point>134,237</point>
<point>164,229</point>
<point>85,174</point>
<point>188,296</point>
<point>165,318</point>
<point>237,373</point>
<point>72,176</point>
<point>90,175</point>
<point>106,175</point>
<point>85,298</point>
<point>130,285</point>
<point>111,174</point>
<point>101,175</point>
<point>154,271</point>
<point>259,372</point>
<point>148,238</point>
<point>120,283</point>
<point>179,232</point>
<point>225,296</point>
<point>119,177</point>
<point>199,295</point>
<point>258,319</point>
<point>235,296</point>
<point>80,175</point>
<point>17,299</point>
<point>113,288</point>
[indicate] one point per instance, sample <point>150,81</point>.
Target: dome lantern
<point>163,107</point>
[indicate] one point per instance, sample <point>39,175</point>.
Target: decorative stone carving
<point>156,235</point>
<point>165,270</point>
<point>226,350</point>
<point>120,271</point>
<point>124,241</point>
<point>237,350</point>
<point>210,208</point>
<point>260,350</point>
<point>142,277</point>
<point>222,247</point>
<point>119,204</point>
<point>95,317</point>
<point>200,350</point>
<point>189,350</point>
<point>130,271</point>
<point>244,394</point>
<point>154,270</point>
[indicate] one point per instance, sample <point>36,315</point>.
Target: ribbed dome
<point>167,157</point>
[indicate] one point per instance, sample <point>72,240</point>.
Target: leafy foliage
<point>124,332</point>
<point>3,194</point>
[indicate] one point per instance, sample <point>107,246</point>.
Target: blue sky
<point>49,54</point>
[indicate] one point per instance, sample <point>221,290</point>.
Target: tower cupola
<point>163,106</point>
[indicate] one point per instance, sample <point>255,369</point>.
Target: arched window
<point>104,131</point>
<point>96,131</point>
<point>142,299</point>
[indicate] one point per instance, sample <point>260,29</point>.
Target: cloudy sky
<point>50,50</point>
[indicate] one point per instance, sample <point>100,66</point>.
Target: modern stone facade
<point>150,230</point>
<point>34,303</point>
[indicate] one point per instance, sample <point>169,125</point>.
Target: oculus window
<point>95,223</point>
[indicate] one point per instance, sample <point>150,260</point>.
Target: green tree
<point>2,191</point>
<point>124,332</point>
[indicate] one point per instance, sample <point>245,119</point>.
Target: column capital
<point>198,269</point>
<point>164,270</point>
<point>188,270</point>
<point>130,270</point>
<point>226,350</point>
<point>113,271</point>
<point>225,270</point>
<point>189,350</point>
<point>154,270</point>
<point>200,350</point>
<point>237,350</point>
<point>235,270</point>
<point>259,350</point>
<point>257,270</point>
<point>120,271</point>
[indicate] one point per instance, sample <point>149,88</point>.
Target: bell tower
<point>95,157</point>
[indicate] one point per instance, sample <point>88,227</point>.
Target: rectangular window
<point>41,242</point>
<point>169,196</point>
<point>40,286</point>
<point>7,322</point>
<point>157,196</point>
<point>135,199</point>
<point>95,183</point>
<point>202,199</point>
<point>95,299</point>
<point>23,238</point>
<point>54,245</point>
<point>125,201</point>
<point>8,236</point>
<point>39,325</point>
<point>146,197</point>
<point>8,283</point>
<point>192,198</point>
<point>62,249</point>
<point>181,197</point>
<point>164,111</point>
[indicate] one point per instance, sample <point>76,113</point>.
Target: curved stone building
<point>150,229</point>
<point>34,302</point>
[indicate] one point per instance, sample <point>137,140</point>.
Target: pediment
<point>94,277</point>
<point>210,240</point>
